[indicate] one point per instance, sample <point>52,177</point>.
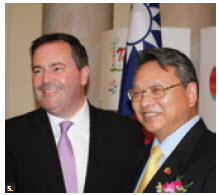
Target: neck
<point>68,113</point>
<point>162,137</point>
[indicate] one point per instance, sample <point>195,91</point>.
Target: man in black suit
<point>104,144</point>
<point>164,98</point>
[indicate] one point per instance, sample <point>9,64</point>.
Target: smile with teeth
<point>151,113</point>
<point>49,90</point>
<point>149,116</point>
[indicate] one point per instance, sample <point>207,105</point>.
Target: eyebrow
<point>136,86</point>
<point>57,63</point>
<point>153,83</point>
<point>36,66</point>
<point>50,65</point>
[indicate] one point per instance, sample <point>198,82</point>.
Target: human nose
<point>47,77</point>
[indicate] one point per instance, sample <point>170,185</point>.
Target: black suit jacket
<point>32,160</point>
<point>194,158</point>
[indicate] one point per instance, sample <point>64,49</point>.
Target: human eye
<point>136,93</point>
<point>156,90</point>
<point>37,70</point>
<point>58,68</point>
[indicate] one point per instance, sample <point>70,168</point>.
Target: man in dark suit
<point>182,157</point>
<point>103,144</point>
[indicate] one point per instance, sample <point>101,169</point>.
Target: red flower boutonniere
<point>173,187</point>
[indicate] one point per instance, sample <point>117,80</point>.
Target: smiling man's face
<point>57,82</point>
<point>164,115</point>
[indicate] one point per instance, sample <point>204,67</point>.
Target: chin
<point>151,127</point>
<point>49,107</point>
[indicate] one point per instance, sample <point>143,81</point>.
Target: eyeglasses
<point>156,91</point>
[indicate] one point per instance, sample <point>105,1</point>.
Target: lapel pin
<point>167,170</point>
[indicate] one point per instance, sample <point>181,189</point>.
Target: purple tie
<point>66,156</point>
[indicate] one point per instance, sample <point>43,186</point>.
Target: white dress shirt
<point>169,144</point>
<point>78,134</point>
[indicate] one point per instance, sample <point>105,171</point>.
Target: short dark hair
<point>185,70</point>
<point>78,50</point>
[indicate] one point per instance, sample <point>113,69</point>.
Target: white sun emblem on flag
<point>139,33</point>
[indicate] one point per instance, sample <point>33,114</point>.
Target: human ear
<point>192,94</point>
<point>84,75</point>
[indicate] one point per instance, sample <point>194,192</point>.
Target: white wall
<point>23,23</point>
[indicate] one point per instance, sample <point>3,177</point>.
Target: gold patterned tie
<point>151,168</point>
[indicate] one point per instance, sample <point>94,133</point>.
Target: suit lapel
<point>96,161</point>
<point>177,161</point>
<point>92,166</point>
<point>162,176</point>
<point>141,161</point>
<point>45,151</point>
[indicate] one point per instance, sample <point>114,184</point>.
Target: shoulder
<point>115,124</point>
<point>25,121</point>
<point>204,146</point>
<point>207,145</point>
<point>24,117</point>
<point>207,140</point>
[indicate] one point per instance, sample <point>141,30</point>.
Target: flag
<point>143,33</point>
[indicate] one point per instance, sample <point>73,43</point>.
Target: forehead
<point>54,51</point>
<point>56,46</point>
<point>151,73</point>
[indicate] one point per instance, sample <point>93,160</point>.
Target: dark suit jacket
<point>32,160</point>
<point>194,158</point>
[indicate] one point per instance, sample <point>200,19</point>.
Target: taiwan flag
<point>143,33</point>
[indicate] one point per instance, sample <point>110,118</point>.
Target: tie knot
<point>65,125</point>
<point>156,153</point>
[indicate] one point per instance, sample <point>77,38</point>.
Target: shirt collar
<point>80,119</point>
<point>170,143</point>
